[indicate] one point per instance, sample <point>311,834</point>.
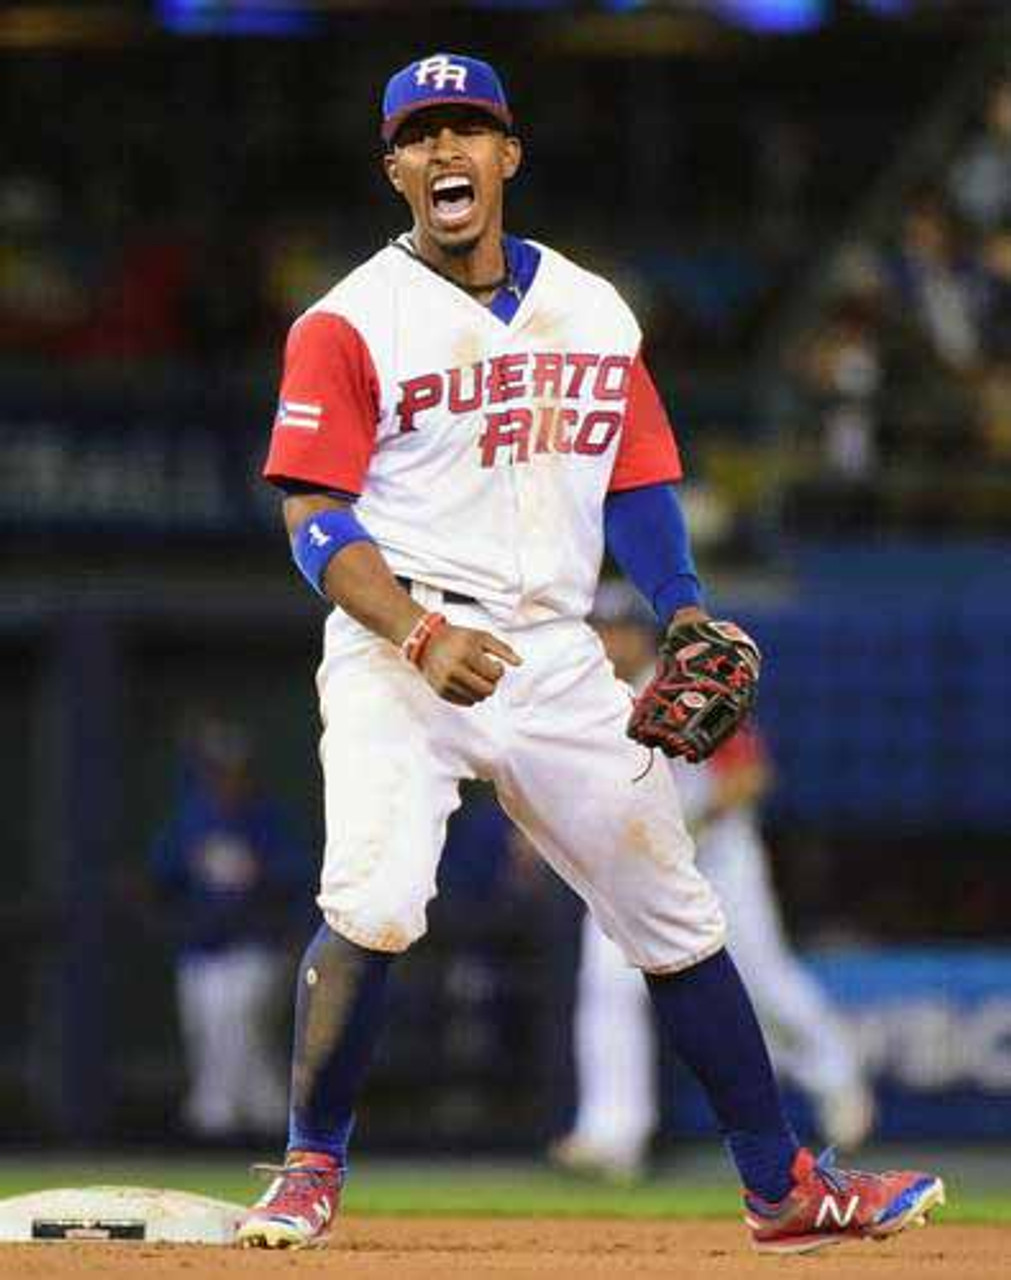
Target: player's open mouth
<point>452,200</point>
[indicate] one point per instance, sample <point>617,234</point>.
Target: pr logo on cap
<point>439,79</point>
<point>441,71</point>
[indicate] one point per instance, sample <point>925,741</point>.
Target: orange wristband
<point>418,637</point>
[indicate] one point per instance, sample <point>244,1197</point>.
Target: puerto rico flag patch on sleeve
<point>299,413</point>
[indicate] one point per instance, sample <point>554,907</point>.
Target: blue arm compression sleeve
<point>318,539</point>
<point>646,534</point>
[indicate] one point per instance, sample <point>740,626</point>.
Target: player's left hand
<point>705,685</point>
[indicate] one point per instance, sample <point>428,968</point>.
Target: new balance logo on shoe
<point>297,1207</point>
<point>830,1208</point>
<point>828,1205</point>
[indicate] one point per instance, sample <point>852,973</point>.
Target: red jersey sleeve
<point>325,429</point>
<point>744,750</point>
<point>647,452</point>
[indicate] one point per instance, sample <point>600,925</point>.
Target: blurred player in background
<point>232,879</point>
<point>617,1102</point>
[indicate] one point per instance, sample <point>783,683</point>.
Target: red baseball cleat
<point>296,1210</point>
<point>829,1205</point>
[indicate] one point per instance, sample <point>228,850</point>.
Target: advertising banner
<point>933,1030</point>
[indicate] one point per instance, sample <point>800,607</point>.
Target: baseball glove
<point>706,682</point>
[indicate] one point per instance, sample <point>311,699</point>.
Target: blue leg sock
<point>708,1020</point>
<point>338,1018</point>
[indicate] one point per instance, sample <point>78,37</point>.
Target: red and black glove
<point>706,682</point>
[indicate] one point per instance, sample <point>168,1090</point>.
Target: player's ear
<point>390,165</point>
<point>512,155</point>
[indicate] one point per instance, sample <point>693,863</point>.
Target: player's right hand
<point>464,666</point>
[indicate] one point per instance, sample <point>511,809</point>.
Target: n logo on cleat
<point>830,1208</point>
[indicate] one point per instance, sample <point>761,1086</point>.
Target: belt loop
<point>433,597</point>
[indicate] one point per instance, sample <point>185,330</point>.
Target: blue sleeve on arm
<point>647,536</point>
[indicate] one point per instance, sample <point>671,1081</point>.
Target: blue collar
<point>522,261</point>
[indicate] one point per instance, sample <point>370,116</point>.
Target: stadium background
<point>177,179</point>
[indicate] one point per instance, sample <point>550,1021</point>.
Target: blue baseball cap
<point>439,79</point>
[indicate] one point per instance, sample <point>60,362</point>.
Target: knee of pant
<point>375,929</point>
<point>330,958</point>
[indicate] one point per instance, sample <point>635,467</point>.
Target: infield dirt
<point>562,1249</point>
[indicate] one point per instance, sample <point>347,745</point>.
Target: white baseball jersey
<point>481,451</point>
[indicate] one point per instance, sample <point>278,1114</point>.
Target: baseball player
<point>617,1103</point>
<point>464,422</point>
<point>232,879</point>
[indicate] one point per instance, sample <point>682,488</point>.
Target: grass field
<point>979,1188</point>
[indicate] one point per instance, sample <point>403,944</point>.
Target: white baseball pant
<point>552,740</point>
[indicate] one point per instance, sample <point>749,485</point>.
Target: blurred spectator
<point>300,263</point>
<point>138,311</point>
<point>42,289</point>
<point>784,155</point>
<point>980,177</point>
<point>232,877</point>
<point>843,367</point>
<point>934,283</point>
<point>995,257</point>
<point>617,1106</point>
<point>893,366</point>
<point>994,395</point>
<point>916,366</point>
